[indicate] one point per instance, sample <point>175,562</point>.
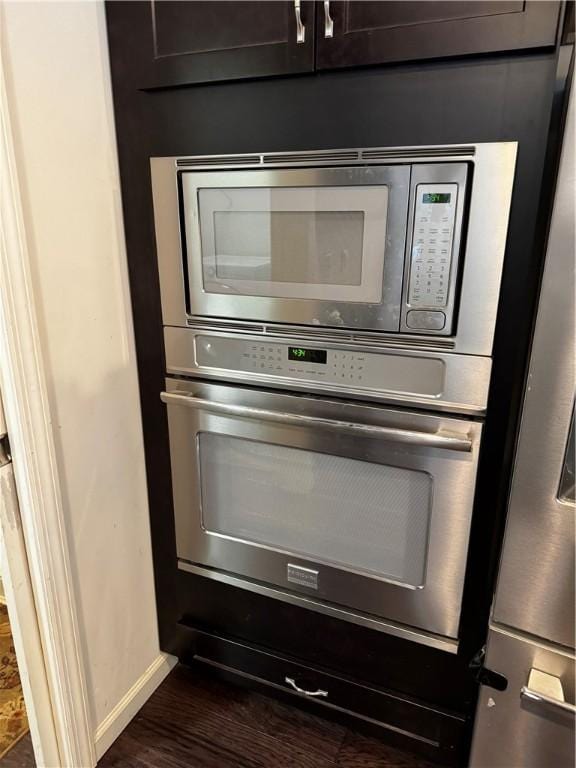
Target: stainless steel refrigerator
<point>530,724</point>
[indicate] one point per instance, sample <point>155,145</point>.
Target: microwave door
<point>276,488</point>
<point>324,243</point>
<point>310,246</point>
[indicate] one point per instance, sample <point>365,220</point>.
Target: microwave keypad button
<point>425,320</point>
<point>434,217</point>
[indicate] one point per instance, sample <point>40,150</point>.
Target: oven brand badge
<point>305,577</point>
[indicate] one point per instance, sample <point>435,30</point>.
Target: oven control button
<point>425,320</point>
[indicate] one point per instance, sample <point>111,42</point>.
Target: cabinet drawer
<point>437,734</point>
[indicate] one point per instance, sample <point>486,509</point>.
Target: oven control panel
<point>348,369</point>
<point>434,219</point>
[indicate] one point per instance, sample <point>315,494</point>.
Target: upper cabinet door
<point>177,43</point>
<point>357,33</point>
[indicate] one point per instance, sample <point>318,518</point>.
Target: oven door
<point>312,246</point>
<point>353,505</point>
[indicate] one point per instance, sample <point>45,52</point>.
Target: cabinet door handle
<point>328,22</point>
<point>300,28</point>
<point>292,682</point>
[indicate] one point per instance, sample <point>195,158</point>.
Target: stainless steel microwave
<point>405,241</point>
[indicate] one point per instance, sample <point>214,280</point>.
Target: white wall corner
<point>112,726</point>
<point>42,519</point>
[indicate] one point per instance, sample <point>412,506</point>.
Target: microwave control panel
<point>433,248</point>
<point>349,369</point>
<point>432,241</point>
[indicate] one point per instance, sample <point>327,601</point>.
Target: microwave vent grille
<point>286,158</point>
<point>223,160</point>
<point>415,152</point>
<point>223,325</point>
<point>323,157</point>
<point>342,336</point>
<point>309,333</point>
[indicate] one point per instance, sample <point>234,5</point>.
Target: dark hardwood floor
<point>20,756</point>
<point>194,721</point>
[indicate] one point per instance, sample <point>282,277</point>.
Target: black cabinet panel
<point>361,654</point>
<point>363,16</point>
<point>189,42</point>
<point>379,32</point>
<point>208,27</point>
<point>179,43</point>
<point>434,733</point>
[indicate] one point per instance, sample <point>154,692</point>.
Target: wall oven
<point>328,325</point>
<point>354,506</point>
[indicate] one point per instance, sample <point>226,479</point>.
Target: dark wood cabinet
<point>180,43</point>
<point>356,33</point>
<point>190,41</point>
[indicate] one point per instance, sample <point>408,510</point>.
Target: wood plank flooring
<point>20,756</point>
<point>194,721</point>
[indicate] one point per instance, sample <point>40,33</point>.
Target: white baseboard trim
<point>113,725</point>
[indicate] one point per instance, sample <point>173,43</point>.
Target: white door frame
<point>37,568</point>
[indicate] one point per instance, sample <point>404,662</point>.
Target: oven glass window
<point>326,243</point>
<point>366,517</point>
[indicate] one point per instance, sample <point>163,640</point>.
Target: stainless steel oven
<point>328,325</point>
<point>361,511</point>
<point>406,242</point>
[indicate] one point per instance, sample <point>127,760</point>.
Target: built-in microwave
<point>405,241</point>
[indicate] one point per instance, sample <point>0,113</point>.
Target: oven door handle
<point>448,440</point>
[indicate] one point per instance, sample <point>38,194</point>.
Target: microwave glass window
<point>313,247</point>
<point>324,243</point>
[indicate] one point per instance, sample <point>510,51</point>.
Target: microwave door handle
<point>446,440</point>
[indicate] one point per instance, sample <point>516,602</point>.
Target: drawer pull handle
<point>292,682</point>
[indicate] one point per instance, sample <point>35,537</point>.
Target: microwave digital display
<point>436,197</point>
<point>307,355</point>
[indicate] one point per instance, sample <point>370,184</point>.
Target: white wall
<point>57,72</point>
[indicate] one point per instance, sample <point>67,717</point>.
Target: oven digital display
<point>436,197</point>
<point>307,355</point>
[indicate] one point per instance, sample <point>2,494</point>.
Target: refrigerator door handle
<point>546,691</point>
